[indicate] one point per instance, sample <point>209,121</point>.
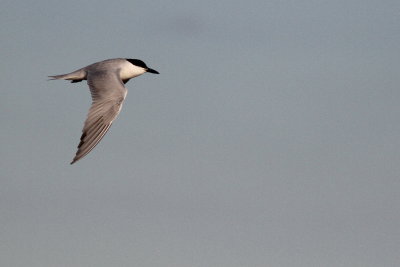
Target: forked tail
<point>75,76</point>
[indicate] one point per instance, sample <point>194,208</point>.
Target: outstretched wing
<point>108,94</point>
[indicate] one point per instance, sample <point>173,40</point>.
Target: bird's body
<point>106,81</point>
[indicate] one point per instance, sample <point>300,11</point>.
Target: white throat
<point>129,71</point>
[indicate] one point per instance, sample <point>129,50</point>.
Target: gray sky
<point>270,138</point>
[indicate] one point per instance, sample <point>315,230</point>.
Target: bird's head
<point>139,63</point>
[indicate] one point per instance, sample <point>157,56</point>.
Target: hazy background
<point>270,138</point>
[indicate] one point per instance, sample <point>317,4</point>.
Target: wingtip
<point>75,159</point>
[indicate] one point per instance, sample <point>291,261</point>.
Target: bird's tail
<point>75,76</point>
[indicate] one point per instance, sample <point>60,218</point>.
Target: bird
<point>106,80</point>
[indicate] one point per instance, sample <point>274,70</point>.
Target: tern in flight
<point>106,81</point>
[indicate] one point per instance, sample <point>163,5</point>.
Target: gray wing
<point>108,94</point>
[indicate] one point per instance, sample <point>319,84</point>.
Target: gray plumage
<point>106,81</point>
